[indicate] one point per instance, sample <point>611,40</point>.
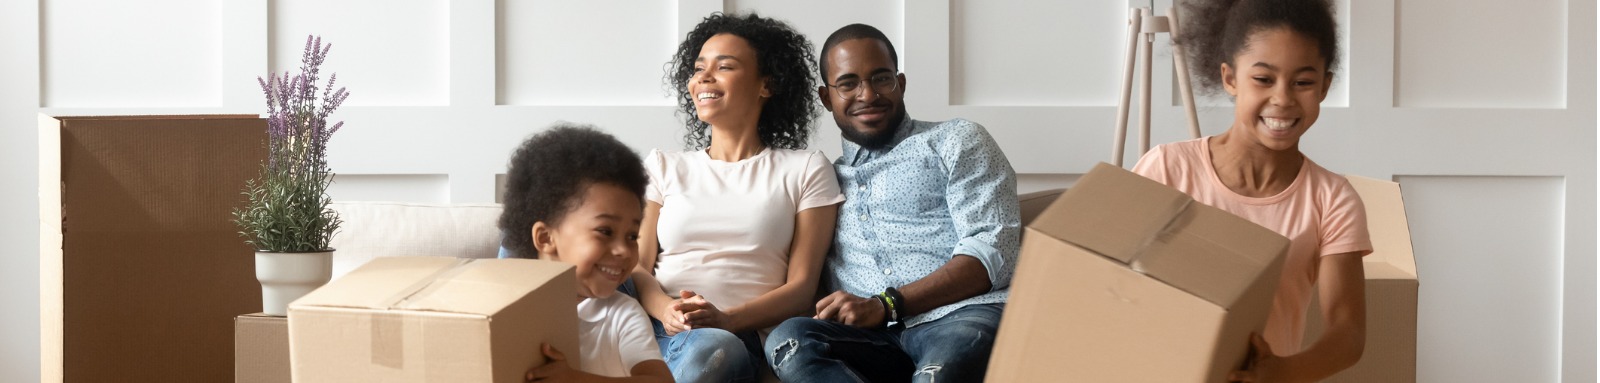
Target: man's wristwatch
<point>888,313</point>
<point>894,302</point>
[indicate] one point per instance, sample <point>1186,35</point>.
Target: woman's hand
<point>1264,365</point>
<point>700,313</point>
<point>554,371</point>
<point>671,318</point>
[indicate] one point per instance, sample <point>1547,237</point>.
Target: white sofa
<point>386,229</point>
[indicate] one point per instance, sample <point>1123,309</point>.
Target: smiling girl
<point>1276,59</point>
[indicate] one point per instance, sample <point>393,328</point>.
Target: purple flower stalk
<point>287,206</point>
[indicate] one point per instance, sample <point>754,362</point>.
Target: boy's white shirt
<point>615,335</point>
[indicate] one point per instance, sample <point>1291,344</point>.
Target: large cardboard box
<point>1391,352</point>
<point>140,267</point>
<point>435,319</point>
<point>1124,279</point>
<point>260,349</point>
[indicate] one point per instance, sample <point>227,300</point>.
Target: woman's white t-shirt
<point>725,227</point>
<point>615,335</point>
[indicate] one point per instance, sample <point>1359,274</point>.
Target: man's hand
<point>700,313</point>
<point>554,371</point>
<point>851,310</point>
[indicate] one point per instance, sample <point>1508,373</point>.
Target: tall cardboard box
<point>141,270</point>
<point>260,349</point>
<point>1391,352</point>
<point>434,319</point>
<point>1123,279</point>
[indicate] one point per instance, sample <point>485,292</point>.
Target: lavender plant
<point>287,206</point>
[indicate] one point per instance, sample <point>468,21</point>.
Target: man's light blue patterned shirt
<point>938,190</point>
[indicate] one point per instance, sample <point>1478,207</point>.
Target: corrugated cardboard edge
<point>51,326</point>
<point>249,364</point>
<point>1394,240</point>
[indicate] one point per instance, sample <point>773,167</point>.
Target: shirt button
<point>888,271</point>
<point>863,217</point>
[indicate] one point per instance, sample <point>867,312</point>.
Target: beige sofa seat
<point>387,229</point>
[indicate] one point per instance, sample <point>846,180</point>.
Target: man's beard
<point>871,141</point>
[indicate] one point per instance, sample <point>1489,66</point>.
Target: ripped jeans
<point>954,348</point>
<point>707,354</point>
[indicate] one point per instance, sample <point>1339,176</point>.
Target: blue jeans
<point>954,348</point>
<point>706,354</point>
<point>710,354</point>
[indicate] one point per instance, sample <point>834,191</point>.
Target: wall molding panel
<point>1484,111</point>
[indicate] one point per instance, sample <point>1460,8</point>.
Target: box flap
<point>1161,232</point>
<point>380,283</point>
<point>1112,212</point>
<point>437,284</point>
<point>1386,221</point>
<point>1212,254</point>
<point>484,286</point>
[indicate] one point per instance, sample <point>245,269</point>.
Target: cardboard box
<point>260,349</point>
<point>435,319</point>
<point>140,265</point>
<point>1124,279</point>
<point>1391,352</point>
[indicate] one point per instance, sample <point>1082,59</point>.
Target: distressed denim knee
<point>710,355</point>
<point>785,341</point>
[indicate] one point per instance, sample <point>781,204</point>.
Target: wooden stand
<point>1142,28</point>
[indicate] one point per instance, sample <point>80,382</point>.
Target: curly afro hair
<point>1214,31</point>
<point>782,54</point>
<point>550,172</point>
<point>852,32</point>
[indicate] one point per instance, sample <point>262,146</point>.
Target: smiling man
<point>927,237</point>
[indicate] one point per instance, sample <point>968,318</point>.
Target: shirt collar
<point>857,154</point>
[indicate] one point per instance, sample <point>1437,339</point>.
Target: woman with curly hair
<point>1276,58</point>
<point>735,229</point>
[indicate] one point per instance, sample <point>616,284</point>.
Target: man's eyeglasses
<point>880,83</point>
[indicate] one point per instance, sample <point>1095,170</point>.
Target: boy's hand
<point>851,310</point>
<point>700,313</point>
<point>554,371</point>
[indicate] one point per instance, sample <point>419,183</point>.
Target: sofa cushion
<point>386,229</point>
<point>1031,204</point>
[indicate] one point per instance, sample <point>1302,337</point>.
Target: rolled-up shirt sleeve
<point>982,196</point>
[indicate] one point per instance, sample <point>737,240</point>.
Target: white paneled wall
<point>536,69</point>
<point>1484,110</point>
<point>399,58</point>
<point>171,56</point>
<point>1490,262</point>
<point>1516,58</point>
<point>1026,54</point>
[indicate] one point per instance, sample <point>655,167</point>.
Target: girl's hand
<point>700,313</point>
<point>1263,365</point>
<point>554,371</point>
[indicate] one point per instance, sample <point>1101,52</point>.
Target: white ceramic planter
<point>288,276</point>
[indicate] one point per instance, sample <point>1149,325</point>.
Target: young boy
<point>575,195</point>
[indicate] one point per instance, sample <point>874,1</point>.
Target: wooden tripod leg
<point>1181,69</point>
<point>1121,136</point>
<point>1148,40</point>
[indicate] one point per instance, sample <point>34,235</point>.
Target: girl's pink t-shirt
<point>1320,214</point>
